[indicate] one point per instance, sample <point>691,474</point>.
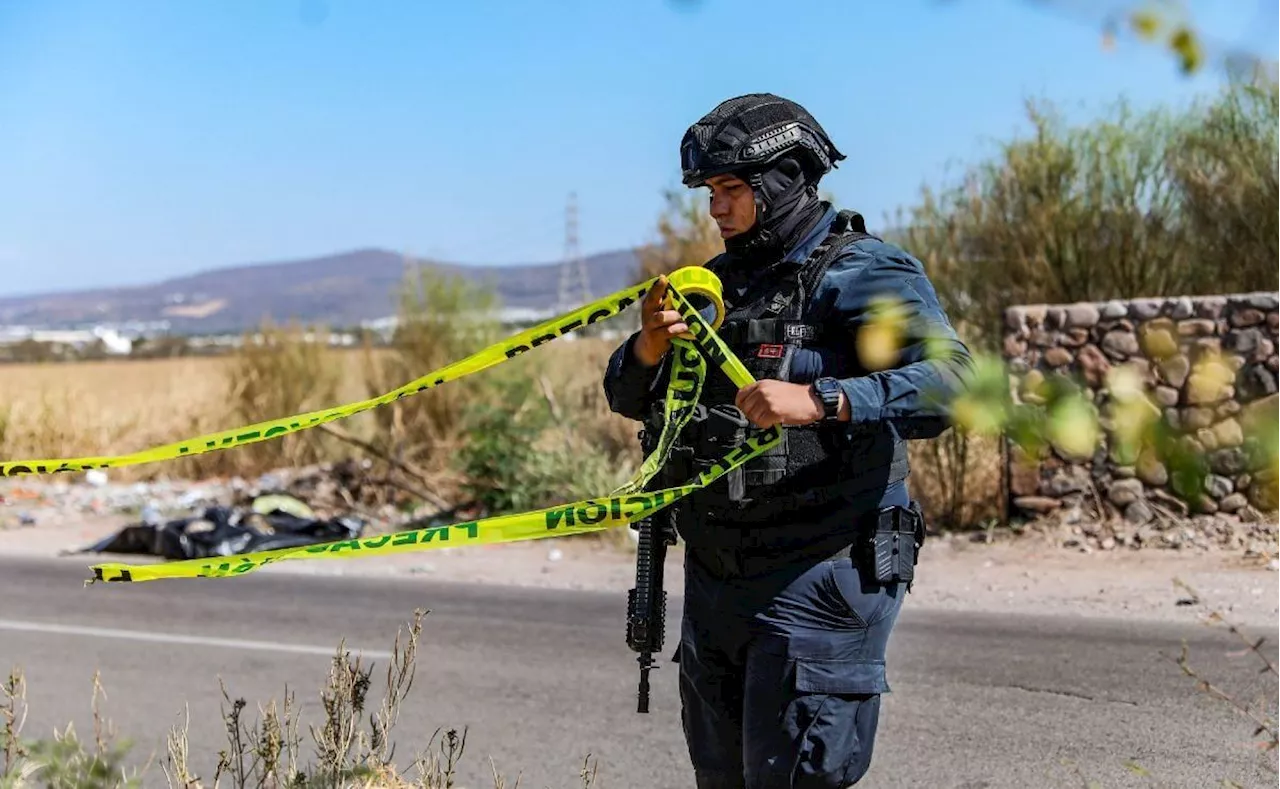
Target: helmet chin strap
<point>758,240</point>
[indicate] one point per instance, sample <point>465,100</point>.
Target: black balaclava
<point>787,208</point>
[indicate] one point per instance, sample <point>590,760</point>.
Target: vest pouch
<point>680,465</point>
<point>729,489</point>
<point>769,467</point>
<point>711,439</point>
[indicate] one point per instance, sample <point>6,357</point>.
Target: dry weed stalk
<point>438,771</point>
<point>343,701</point>
<point>231,759</point>
<point>176,769</point>
<point>270,745</point>
<point>15,699</point>
<point>588,773</point>
<point>1264,722</point>
<point>265,754</point>
<point>400,673</point>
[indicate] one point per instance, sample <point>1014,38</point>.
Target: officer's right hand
<point>657,325</point>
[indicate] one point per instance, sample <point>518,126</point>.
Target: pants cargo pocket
<point>828,715</point>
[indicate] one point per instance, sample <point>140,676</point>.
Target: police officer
<point>796,564</point>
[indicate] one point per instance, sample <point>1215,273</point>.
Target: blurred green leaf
<point>1145,23</point>
<point>1185,44</point>
<point>1073,427</point>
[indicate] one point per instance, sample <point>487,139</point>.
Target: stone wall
<point>1209,364</point>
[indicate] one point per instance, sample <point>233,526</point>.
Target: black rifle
<point>647,602</point>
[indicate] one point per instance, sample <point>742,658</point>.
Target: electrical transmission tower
<point>573,266</point>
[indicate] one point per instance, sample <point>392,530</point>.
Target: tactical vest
<point>813,465</point>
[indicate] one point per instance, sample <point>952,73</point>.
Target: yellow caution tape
<point>628,503</point>
<point>700,282</point>
<point>580,517</point>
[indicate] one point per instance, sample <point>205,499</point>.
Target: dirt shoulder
<point>1028,575</point>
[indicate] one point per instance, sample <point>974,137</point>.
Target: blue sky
<point>142,140</point>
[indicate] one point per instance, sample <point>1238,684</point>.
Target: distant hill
<point>338,290</point>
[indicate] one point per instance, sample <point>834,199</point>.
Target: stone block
<point>1174,370</point>
<point>1124,491</point>
<point>1093,365</point>
<point>1210,307</point>
<point>1113,310</point>
<point>1198,327</point>
<point>1165,395</point>
<point>1057,357</point>
<point>1014,346</point>
<point>1083,314</point>
<point>1233,503</point>
<point>1157,341</point>
<point>1150,470</point>
<point>1145,309</point>
<point>1120,345</point>
<point>1246,317</point>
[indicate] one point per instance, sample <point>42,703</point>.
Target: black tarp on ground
<point>273,522</point>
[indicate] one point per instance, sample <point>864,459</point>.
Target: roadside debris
<point>272,521</point>
<point>331,490</point>
<point>183,519</point>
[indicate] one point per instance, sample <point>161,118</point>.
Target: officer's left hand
<point>769,402</point>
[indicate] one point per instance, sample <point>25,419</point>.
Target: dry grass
<point>78,409</point>
<point>957,480</point>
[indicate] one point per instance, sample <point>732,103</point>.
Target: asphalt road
<point>543,679</point>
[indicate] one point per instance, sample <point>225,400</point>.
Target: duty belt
<point>766,505</point>
<point>884,543</point>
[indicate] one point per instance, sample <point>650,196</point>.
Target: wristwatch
<point>828,391</point>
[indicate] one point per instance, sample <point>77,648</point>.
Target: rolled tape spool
<point>698,281</point>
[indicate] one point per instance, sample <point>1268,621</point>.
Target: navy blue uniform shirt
<point>910,398</point>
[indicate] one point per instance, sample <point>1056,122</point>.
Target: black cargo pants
<point>781,675</point>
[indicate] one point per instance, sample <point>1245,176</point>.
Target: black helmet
<point>747,133</point>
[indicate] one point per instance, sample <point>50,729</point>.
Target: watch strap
<point>828,391</point>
